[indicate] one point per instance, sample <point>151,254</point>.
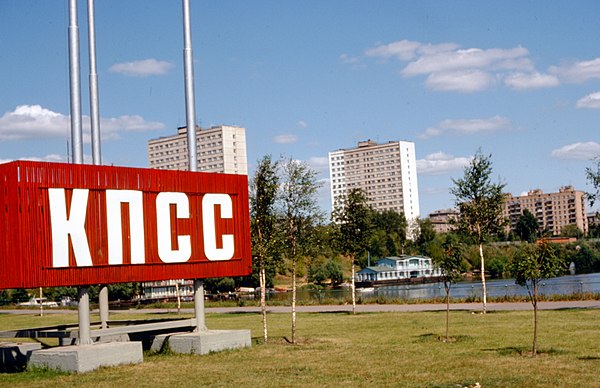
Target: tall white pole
<point>95,127</point>
<point>190,109</point>
<point>94,102</point>
<point>77,148</point>
<point>190,100</point>
<point>75,85</point>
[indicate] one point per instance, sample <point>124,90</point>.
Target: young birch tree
<point>530,269</point>
<point>480,203</point>
<point>263,196</point>
<point>353,217</point>
<point>299,214</point>
<point>450,264</point>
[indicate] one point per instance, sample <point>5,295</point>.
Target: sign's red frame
<point>201,213</point>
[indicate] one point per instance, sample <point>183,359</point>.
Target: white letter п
<point>73,224</point>
<point>208,225</point>
<point>114,199</point>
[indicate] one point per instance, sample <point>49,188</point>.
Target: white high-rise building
<point>387,173</point>
<point>219,149</point>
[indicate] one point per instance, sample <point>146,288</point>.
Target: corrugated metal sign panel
<point>29,235</point>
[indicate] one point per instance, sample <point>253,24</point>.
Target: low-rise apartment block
<point>552,210</point>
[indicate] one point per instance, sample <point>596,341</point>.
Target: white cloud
<point>577,72</point>
<point>319,163</point>
<point>468,126</point>
<point>590,101</point>
<point>302,124</point>
<point>48,158</point>
<point>143,68</point>
<point>285,139</point>
<point>404,50</point>
<point>448,67</point>
<point>578,151</point>
<point>440,163</point>
<point>460,81</point>
<point>473,58</point>
<point>535,80</point>
<point>35,122</point>
<point>345,58</point>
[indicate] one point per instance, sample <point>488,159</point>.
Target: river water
<point>564,285</point>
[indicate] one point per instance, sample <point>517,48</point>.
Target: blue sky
<point>519,79</point>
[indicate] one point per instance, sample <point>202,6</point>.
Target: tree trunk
<point>178,298</point>
<point>294,301</point>
<point>353,289</point>
<point>535,319</point>
<point>263,297</point>
<point>483,286</point>
<point>447,312</point>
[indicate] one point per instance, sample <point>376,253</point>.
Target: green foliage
<point>322,270</point>
<point>479,200</point>
<point>263,220</point>
<point>299,212</point>
<point>426,239</point>
<point>527,227</point>
<point>571,230</point>
<point>537,262</point>
<point>592,175</point>
<point>353,217</point>
<point>19,295</point>
<point>219,285</point>
<point>586,259</point>
<point>451,261</point>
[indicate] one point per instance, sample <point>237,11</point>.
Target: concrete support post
<point>199,305</point>
<point>103,305</point>
<point>83,297</point>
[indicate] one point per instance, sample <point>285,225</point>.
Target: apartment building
<point>219,149</point>
<point>552,210</point>
<point>442,219</point>
<point>387,173</point>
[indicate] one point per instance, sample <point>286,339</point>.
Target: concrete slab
<point>86,358</point>
<point>14,355</point>
<point>207,341</point>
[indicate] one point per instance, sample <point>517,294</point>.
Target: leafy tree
<point>324,270</point>
<point>527,227</point>
<point>480,203</point>
<point>263,224</point>
<point>19,295</point>
<point>450,264</point>
<point>353,216</point>
<point>393,226</point>
<point>299,215</point>
<point>536,264</point>
<point>571,230</point>
<point>425,237</point>
<point>592,175</point>
<point>586,260</point>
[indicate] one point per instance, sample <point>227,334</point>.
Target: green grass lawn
<point>379,349</point>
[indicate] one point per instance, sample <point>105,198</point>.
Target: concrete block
<point>207,341</point>
<point>14,355</point>
<point>86,358</point>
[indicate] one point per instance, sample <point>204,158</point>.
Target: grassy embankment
<point>383,349</point>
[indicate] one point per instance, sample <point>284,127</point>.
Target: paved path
<point>362,308</point>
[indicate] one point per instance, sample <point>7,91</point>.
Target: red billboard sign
<point>67,225</point>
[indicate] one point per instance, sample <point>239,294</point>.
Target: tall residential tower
<point>387,173</point>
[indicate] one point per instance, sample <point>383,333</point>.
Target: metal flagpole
<point>77,148</point>
<point>95,127</point>
<point>190,108</point>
